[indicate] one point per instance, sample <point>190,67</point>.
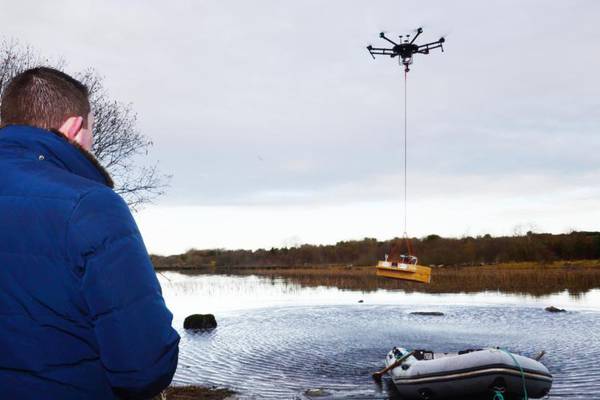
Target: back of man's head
<point>43,97</point>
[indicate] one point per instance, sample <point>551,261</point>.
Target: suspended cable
<point>405,157</point>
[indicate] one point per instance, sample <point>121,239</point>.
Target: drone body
<point>406,48</point>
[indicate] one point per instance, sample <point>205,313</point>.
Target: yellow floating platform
<point>409,272</point>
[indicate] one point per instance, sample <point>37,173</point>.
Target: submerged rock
<point>555,309</point>
<point>200,322</point>
<point>316,392</point>
<point>430,313</point>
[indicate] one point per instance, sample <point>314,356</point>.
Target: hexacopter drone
<point>406,48</point>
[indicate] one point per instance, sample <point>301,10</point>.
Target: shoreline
<point>524,278</point>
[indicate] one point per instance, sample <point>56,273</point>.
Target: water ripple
<point>279,352</point>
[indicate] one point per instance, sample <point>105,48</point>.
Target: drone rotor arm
<point>382,35</point>
<point>419,31</point>
<point>441,46</point>
<point>437,43</point>
<point>426,50</point>
<point>382,51</point>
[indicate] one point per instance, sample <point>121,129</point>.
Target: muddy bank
<point>195,393</point>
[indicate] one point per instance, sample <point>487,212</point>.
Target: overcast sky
<point>279,128</point>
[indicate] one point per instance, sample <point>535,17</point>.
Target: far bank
<point>525,277</point>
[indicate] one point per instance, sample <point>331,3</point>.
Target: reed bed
<point>523,278</point>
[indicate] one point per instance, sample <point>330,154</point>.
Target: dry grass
<point>526,278</point>
<point>194,393</point>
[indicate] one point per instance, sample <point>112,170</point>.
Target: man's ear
<point>71,127</point>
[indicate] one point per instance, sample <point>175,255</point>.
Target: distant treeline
<point>431,250</point>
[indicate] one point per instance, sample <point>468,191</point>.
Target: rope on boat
<point>522,373</point>
<point>498,395</point>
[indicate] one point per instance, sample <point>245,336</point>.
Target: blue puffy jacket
<point>81,312</point>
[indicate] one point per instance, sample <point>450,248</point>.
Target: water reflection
<point>188,294</point>
<point>276,339</point>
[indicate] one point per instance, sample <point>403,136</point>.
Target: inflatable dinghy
<point>428,375</point>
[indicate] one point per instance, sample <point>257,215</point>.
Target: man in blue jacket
<point>81,312</point>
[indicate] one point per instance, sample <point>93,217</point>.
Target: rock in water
<point>316,392</point>
<point>200,322</point>
<point>430,313</point>
<point>555,309</point>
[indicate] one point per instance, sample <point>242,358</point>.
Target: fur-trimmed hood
<point>53,146</point>
<point>91,158</point>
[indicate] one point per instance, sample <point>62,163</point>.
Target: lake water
<point>275,340</point>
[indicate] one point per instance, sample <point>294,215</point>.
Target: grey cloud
<point>278,102</point>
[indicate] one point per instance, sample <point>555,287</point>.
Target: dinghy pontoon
<point>424,374</point>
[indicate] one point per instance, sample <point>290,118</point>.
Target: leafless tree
<point>118,144</point>
<point>121,147</point>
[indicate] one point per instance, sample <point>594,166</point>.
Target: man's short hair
<point>43,97</point>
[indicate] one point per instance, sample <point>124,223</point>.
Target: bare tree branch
<point>118,145</point>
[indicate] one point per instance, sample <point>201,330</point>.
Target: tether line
<point>405,158</point>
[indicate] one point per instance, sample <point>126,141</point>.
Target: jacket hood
<point>56,148</point>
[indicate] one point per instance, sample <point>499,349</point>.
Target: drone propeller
<point>446,33</point>
<point>370,48</point>
<point>418,31</point>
